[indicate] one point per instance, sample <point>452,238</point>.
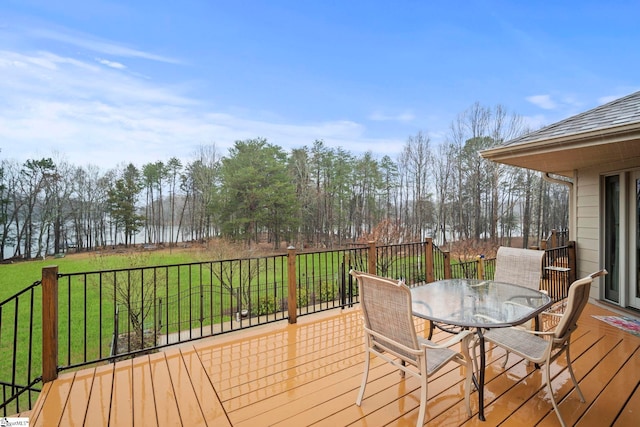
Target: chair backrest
<point>576,301</point>
<point>386,309</point>
<point>519,266</point>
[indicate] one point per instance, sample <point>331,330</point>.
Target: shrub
<point>303,297</point>
<point>328,292</point>
<point>266,305</point>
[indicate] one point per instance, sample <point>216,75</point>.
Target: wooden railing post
<point>292,302</point>
<point>371,258</point>
<point>480,272</point>
<point>428,260</point>
<point>554,238</point>
<point>49,323</point>
<point>572,262</point>
<point>446,260</point>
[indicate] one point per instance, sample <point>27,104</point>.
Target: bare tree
<point>174,166</point>
<point>444,183</point>
<point>416,163</point>
<point>236,270</point>
<point>134,290</point>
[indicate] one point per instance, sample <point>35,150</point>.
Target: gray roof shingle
<point>622,111</point>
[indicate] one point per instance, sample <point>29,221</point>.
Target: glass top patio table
<point>478,304</point>
<point>475,303</point>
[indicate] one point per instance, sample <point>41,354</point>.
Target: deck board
<point>122,398</point>
<point>190,410</point>
<point>99,399</point>
<point>631,411</point>
<point>76,409</point>
<point>163,392</point>
<point>309,374</point>
<point>624,382</point>
<point>144,410</point>
<point>55,401</point>
<point>212,409</point>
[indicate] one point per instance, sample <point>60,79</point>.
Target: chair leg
<point>573,376</point>
<point>467,386</point>
<point>365,376</point>
<point>469,369</point>
<point>474,356</point>
<point>506,359</point>
<point>423,396</point>
<point>553,398</point>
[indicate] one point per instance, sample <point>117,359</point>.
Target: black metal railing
<point>402,261</point>
<point>559,270</point>
<point>108,315</point>
<point>138,310</point>
<point>441,263</point>
<point>323,280</point>
<point>20,337</point>
<point>127,312</point>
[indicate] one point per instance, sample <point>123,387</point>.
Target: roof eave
<point>517,154</point>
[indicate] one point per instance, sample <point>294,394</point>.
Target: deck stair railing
<point>71,320</point>
<point>556,239</point>
<point>20,338</point>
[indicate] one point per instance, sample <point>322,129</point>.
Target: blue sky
<point>108,82</point>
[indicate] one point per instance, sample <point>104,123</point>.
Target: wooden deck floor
<point>309,374</point>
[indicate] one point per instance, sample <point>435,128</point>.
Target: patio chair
<point>519,266</point>
<point>390,334</point>
<point>545,347</point>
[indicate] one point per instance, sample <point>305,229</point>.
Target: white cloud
<point>108,115</point>
<point>94,44</point>
<point>542,101</point>
<point>379,116</point>
<point>111,64</point>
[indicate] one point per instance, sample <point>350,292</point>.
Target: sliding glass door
<point>612,237</point>
<point>634,243</point>
<point>622,239</point>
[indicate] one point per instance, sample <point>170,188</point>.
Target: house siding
<point>587,199</point>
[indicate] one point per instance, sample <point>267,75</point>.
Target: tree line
<point>313,196</point>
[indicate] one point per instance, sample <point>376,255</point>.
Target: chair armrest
<point>451,341</point>
<point>539,333</point>
<point>552,314</point>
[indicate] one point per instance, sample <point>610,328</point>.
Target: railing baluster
<point>29,363</point>
<point>85,316</point>
<point>15,347</point>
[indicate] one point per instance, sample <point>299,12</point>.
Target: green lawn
<point>17,276</point>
